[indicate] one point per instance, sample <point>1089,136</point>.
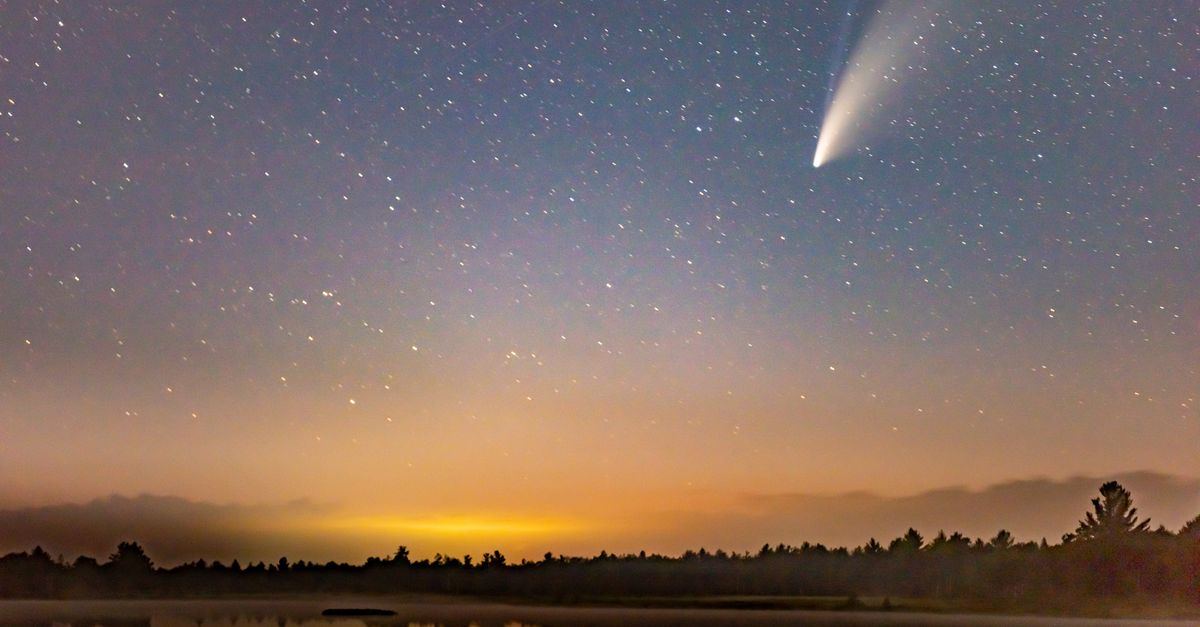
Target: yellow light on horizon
<point>459,526</point>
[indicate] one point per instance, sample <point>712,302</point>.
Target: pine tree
<point>1002,541</point>
<point>1191,529</point>
<point>1114,515</point>
<point>873,547</point>
<point>131,557</point>
<point>910,542</point>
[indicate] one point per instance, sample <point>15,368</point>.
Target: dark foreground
<point>432,611</point>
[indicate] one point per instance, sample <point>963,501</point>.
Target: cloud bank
<point>172,529</point>
<point>1031,509</point>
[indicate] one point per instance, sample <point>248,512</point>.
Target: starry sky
<point>549,270</point>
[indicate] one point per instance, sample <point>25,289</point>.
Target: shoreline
<point>759,607</point>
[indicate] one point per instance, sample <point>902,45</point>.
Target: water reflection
<point>307,613</point>
<point>272,621</point>
<point>241,621</point>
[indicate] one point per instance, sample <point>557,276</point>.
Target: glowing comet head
<point>839,129</point>
<point>821,156</point>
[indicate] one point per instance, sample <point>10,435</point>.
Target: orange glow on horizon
<point>460,527</point>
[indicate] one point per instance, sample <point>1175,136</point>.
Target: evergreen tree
<point>1002,541</point>
<point>400,557</point>
<point>910,542</point>
<point>130,557</point>
<point>1114,515</point>
<point>1191,529</point>
<point>873,547</point>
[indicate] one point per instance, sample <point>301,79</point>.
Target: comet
<point>892,48</point>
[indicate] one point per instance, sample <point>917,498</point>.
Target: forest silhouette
<point>1112,554</point>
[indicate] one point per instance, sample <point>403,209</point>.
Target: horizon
<point>527,275</point>
<point>179,529</point>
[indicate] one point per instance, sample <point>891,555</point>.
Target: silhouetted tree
<point>910,542</point>
<point>1191,529</point>
<point>493,559</point>
<point>1114,516</point>
<point>872,547</point>
<point>130,557</point>
<point>1002,541</point>
<point>131,568</point>
<point>400,557</point>
<point>953,542</point>
<point>83,562</point>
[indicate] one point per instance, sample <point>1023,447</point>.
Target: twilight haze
<point>558,276</point>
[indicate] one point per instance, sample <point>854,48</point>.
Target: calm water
<point>307,613</point>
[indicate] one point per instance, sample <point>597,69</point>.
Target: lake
<point>435,613</point>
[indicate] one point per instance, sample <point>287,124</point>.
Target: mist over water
<point>430,613</point>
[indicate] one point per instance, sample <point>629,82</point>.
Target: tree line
<point>1110,555</point>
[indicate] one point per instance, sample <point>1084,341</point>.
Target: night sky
<point>557,272</point>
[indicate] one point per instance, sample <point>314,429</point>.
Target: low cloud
<point>172,529</point>
<point>1031,509</point>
